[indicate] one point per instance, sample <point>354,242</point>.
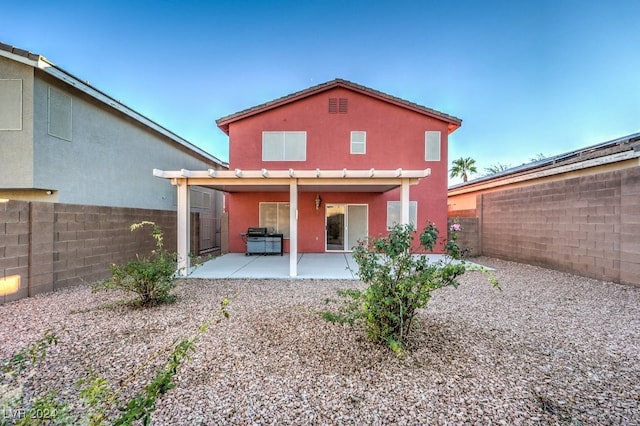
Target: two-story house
<point>330,165</point>
<point>63,140</point>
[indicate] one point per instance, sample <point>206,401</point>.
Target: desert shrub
<point>150,278</point>
<point>399,282</point>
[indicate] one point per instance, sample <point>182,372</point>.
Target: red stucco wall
<point>395,138</point>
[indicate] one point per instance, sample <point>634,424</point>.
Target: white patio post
<point>184,222</point>
<point>404,202</point>
<point>293,227</point>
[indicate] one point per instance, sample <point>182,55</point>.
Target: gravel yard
<point>551,348</point>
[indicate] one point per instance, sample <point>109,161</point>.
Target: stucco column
<point>184,209</point>
<point>404,202</point>
<point>293,227</point>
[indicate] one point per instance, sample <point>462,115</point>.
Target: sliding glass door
<point>345,225</point>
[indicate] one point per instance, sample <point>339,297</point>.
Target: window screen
<point>393,213</point>
<point>10,104</point>
<point>432,146</point>
<point>275,217</point>
<point>358,142</point>
<point>284,146</point>
<point>59,114</point>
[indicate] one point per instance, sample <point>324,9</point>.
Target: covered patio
<point>338,266</point>
<point>285,181</point>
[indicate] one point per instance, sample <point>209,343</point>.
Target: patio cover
<point>290,180</point>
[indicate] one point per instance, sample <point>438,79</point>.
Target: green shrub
<point>400,282</point>
<point>98,403</point>
<point>150,278</point>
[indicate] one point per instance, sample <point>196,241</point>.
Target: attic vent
<point>338,105</point>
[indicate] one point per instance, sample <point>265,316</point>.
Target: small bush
<point>150,278</point>
<point>400,282</point>
<point>98,402</point>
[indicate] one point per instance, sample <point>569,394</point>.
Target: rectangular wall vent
<point>338,105</point>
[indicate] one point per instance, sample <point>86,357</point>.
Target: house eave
<point>48,67</point>
<point>223,123</point>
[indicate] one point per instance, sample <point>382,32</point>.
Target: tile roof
<point>223,123</point>
<point>21,52</point>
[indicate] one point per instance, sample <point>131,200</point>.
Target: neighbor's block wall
<point>586,225</point>
<point>14,249</point>
<point>47,246</point>
<point>90,238</point>
<point>468,239</point>
<point>630,227</point>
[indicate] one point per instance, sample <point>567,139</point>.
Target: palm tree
<point>463,167</point>
<point>496,168</point>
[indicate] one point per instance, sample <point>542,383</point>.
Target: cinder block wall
<point>46,246</point>
<point>586,225</point>
<point>14,249</point>
<point>87,239</point>
<point>468,238</point>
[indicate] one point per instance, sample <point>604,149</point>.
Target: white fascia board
<point>18,58</point>
<point>303,174</point>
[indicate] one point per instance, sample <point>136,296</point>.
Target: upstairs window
<point>10,104</point>
<point>59,114</point>
<point>338,105</point>
<point>284,146</point>
<point>432,145</point>
<point>358,142</point>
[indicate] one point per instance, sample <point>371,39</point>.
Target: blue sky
<point>526,77</point>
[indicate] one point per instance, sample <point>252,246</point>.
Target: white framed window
<point>275,217</point>
<point>60,108</point>
<point>284,146</point>
<point>10,104</point>
<point>432,145</point>
<point>393,213</point>
<point>358,142</point>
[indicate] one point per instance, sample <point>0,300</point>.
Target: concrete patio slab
<point>339,266</point>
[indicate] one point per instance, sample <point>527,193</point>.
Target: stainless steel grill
<point>257,232</point>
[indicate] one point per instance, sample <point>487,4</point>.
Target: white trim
<point>293,227</point>
<point>345,226</point>
<point>404,202</point>
<point>266,175</point>
<point>184,225</point>
<point>364,143</point>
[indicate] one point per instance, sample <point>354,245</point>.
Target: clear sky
<point>526,77</point>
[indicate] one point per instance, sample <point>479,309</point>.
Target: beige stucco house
<point>63,140</point>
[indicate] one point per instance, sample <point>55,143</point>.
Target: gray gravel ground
<point>551,348</point>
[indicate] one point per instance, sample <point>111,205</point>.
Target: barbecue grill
<point>260,241</point>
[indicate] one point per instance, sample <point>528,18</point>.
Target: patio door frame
<point>345,227</point>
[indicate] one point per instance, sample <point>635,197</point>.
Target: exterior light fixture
<point>318,201</point>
